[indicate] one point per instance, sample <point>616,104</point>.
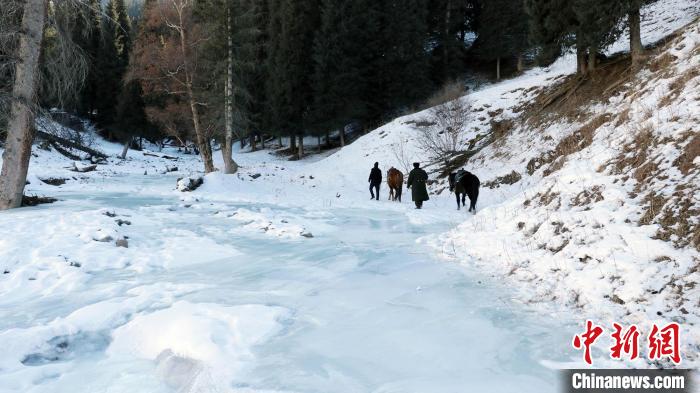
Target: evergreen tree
<point>404,58</point>
<point>91,47</point>
<point>345,59</point>
<point>131,120</point>
<point>112,60</point>
<point>503,32</point>
<point>290,62</point>
<point>598,26</point>
<point>552,25</point>
<point>449,21</point>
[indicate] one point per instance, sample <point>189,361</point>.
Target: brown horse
<point>394,178</point>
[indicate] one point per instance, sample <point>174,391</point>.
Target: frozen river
<point>237,306</point>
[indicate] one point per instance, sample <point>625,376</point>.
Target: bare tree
<point>441,132</point>
<point>401,153</point>
<point>166,63</point>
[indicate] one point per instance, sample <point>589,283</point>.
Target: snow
<point>286,278</point>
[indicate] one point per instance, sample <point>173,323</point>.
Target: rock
<point>54,181</point>
<point>110,214</point>
<point>121,222</point>
<point>307,235</point>
<point>187,184</point>
<point>122,243</point>
<point>105,239</point>
<point>33,200</point>
<point>83,168</point>
<point>171,169</point>
<point>255,175</point>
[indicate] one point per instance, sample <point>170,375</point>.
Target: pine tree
<point>112,60</point>
<point>131,120</point>
<point>598,26</point>
<point>290,61</point>
<point>631,9</point>
<point>449,21</point>
<point>503,32</point>
<point>91,48</point>
<point>345,56</point>
<point>404,59</point>
<point>552,25</point>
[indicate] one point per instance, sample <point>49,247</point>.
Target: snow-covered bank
<point>603,213</point>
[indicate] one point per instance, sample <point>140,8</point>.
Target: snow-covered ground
<point>280,287</point>
<point>286,278</point>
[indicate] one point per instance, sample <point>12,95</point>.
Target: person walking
<point>375,180</point>
<point>417,183</point>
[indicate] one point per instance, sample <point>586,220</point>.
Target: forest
<point>203,71</point>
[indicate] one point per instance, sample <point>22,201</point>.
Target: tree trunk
<point>592,58</point>
<point>230,166</point>
<point>127,144</point>
<point>292,143</point>
<point>342,136</point>
<point>319,142</point>
<point>20,125</point>
<point>520,67</point>
<point>280,141</point>
<point>498,68</point>
<point>202,141</point>
<point>301,147</point>
<point>262,141</point>
<point>328,139</point>
<point>580,56</point>
<point>636,48</point>
<point>253,145</point>
<point>445,52</point>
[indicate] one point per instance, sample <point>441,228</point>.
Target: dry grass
<point>652,204</point>
<point>691,151</point>
<point>508,179</point>
<point>501,128</point>
<point>634,154</point>
<point>577,141</point>
<point>586,197</point>
<point>678,85</point>
<point>676,223</point>
<point>662,62</point>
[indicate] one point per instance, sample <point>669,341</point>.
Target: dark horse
<point>394,178</point>
<point>465,184</point>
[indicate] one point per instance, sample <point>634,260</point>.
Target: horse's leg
<point>457,197</point>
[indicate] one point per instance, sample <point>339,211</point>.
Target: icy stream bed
<point>219,296</point>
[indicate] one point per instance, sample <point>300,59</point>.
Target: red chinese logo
<point>627,343</point>
<point>662,342</point>
<point>588,337</point>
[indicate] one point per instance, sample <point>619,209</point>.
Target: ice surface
<point>361,307</point>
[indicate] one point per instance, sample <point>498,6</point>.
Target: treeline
<point>199,70</point>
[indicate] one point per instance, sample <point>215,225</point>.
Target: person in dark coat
<point>416,182</point>
<point>375,180</point>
